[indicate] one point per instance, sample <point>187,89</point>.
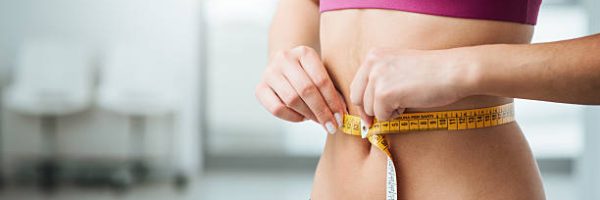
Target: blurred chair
<point>50,80</point>
<point>139,83</point>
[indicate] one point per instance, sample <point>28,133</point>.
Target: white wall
<point>237,55</point>
<point>589,162</point>
<point>169,25</point>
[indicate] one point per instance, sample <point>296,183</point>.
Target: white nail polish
<point>330,127</point>
<point>364,130</point>
<point>338,118</point>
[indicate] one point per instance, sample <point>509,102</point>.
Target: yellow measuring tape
<point>425,121</point>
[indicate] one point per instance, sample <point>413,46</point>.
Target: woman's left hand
<point>390,80</point>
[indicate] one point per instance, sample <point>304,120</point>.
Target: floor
<point>227,184</point>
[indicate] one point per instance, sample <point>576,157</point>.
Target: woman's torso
<point>491,163</point>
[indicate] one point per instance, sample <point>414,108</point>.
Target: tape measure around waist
<point>427,121</point>
<point>424,121</point>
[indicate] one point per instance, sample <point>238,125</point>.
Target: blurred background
<point>154,99</point>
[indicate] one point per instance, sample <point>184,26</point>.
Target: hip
<point>488,163</point>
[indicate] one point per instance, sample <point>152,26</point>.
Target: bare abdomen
<point>491,163</point>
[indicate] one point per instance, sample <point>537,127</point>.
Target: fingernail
<point>364,130</point>
<point>330,127</point>
<point>338,118</point>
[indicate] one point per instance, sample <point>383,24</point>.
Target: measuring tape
<point>425,121</point>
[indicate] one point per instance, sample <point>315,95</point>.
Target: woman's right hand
<point>296,87</point>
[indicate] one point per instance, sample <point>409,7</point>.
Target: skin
<point>491,163</point>
<point>530,73</point>
<point>411,63</point>
<point>295,86</point>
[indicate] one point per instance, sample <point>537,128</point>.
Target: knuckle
<point>274,67</point>
<point>287,55</point>
<point>321,113</point>
<point>276,109</point>
<point>292,100</point>
<point>269,71</point>
<point>303,50</point>
<point>280,54</point>
<point>261,88</point>
<point>322,83</point>
<point>307,90</point>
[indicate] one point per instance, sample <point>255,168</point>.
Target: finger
<point>314,68</point>
<point>311,95</point>
<point>382,110</point>
<point>383,103</point>
<point>288,95</point>
<point>273,104</point>
<point>359,84</point>
<point>368,99</point>
<point>340,119</point>
<point>397,113</point>
<point>368,120</point>
<point>344,105</point>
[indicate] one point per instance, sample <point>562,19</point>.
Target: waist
<point>428,121</point>
<point>348,35</point>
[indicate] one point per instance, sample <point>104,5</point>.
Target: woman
<point>385,57</point>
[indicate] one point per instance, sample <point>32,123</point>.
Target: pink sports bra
<point>519,11</point>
